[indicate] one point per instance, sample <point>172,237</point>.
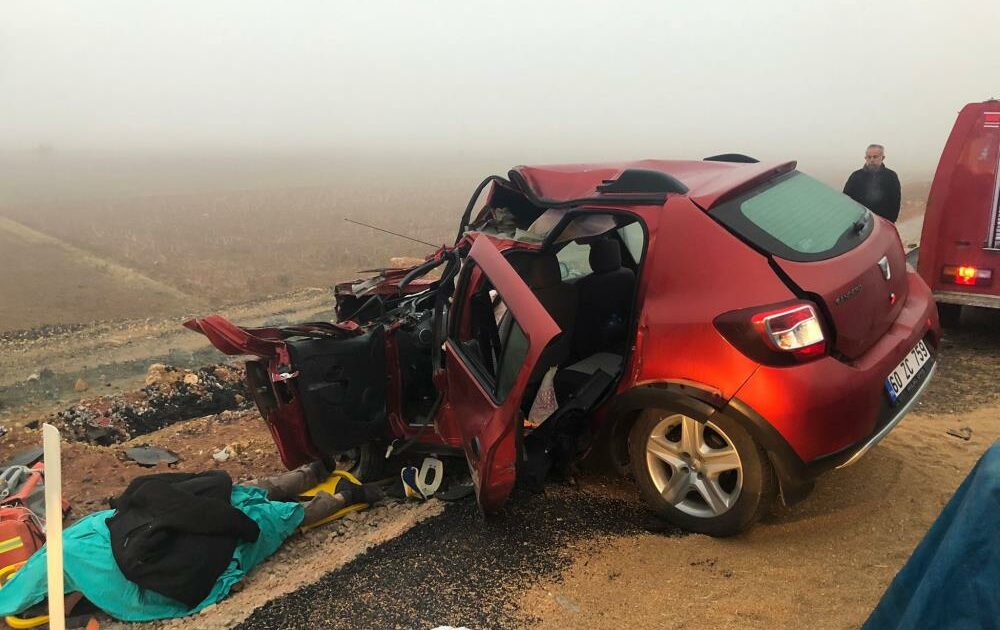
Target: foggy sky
<point>528,81</point>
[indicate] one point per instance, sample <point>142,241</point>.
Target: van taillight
<point>967,275</point>
<point>782,334</point>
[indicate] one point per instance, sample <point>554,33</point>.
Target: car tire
<point>726,481</point>
<point>949,314</point>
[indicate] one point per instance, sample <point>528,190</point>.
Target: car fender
<point>701,401</point>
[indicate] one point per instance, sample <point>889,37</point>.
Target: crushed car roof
<point>707,182</point>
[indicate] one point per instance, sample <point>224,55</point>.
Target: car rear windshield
<point>798,218</point>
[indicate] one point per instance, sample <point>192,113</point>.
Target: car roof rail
<point>732,157</point>
<point>639,198</point>
<point>640,180</point>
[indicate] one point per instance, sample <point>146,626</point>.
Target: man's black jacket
<point>877,190</point>
<point>175,533</point>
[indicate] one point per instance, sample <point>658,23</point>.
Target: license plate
<point>907,370</point>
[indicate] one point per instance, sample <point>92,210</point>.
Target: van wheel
<point>706,476</point>
<point>949,314</point>
<point>366,462</point>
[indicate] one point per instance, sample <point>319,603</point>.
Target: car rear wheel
<point>706,476</point>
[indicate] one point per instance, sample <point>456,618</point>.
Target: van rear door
<point>960,241</point>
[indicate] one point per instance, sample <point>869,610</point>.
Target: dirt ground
<point>78,286</point>
<point>41,366</point>
<point>821,564</point>
<point>93,474</point>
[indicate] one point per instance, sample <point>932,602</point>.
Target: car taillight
<point>782,334</point>
<point>967,275</point>
<point>794,330</point>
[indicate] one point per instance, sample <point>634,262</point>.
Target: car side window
<point>634,239</point>
<point>491,340</point>
<point>574,261</point>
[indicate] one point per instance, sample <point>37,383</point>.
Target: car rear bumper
<point>894,419</point>
<point>796,476</point>
<point>967,299</point>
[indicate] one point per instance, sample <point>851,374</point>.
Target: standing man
<point>875,186</point>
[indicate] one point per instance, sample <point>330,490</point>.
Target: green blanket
<point>90,567</point>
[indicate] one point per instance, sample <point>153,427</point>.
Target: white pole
<point>53,525</point>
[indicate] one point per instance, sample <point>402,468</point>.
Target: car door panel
<point>489,425</point>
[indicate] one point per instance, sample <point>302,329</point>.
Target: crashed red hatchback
<point>726,328</point>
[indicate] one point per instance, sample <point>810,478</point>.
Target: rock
<point>34,376</point>
<point>221,456</point>
<point>80,385</point>
<point>160,374</point>
<point>964,433</point>
<point>191,379</point>
<point>146,455</point>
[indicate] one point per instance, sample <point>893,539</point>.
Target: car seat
<point>605,302</point>
<point>540,271</point>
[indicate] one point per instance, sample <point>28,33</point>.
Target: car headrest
<point>539,271</point>
<point>605,256</point>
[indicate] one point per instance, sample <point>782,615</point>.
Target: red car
<point>960,243</point>
<point>728,329</point>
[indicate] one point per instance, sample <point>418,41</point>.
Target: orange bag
<point>20,535</point>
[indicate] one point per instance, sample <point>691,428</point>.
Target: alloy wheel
<point>694,466</point>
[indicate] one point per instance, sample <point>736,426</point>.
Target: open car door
<point>497,333</point>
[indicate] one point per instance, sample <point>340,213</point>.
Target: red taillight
<point>967,275</point>
<point>777,335</point>
<point>796,330</point>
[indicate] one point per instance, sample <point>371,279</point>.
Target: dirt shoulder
<point>41,367</point>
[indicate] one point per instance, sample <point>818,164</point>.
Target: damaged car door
<point>320,387</point>
<point>497,336</point>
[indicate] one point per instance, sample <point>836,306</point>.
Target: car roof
<point>708,182</point>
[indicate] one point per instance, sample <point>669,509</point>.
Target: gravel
<point>457,568</point>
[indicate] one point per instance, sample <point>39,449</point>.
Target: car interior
<point>585,276</point>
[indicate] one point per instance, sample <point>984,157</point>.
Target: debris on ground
<point>146,455</point>
<point>964,433</point>
<point>80,386</point>
<point>171,395</point>
<point>223,454</point>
